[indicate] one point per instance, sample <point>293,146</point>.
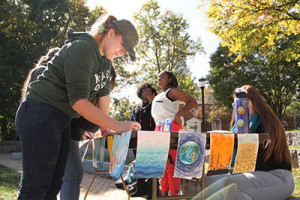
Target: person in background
<point>37,70</point>
<point>166,105</point>
<point>142,111</point>
<point>77,74</point>
<point>272,178</point>
<point>73,175</point>
<point>142,114</point>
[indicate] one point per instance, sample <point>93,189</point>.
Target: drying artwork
<point>246,153</point>
<point>119,153</point>
<point>99,150</point>
<point>221,150</point>
<point>152,154</point>
<point>190,155</point>
<point>110,140</point>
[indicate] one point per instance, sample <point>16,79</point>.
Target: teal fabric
<point>233,128</point>
<point>254,122</point>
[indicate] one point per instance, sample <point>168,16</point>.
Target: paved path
<point>103,188</point>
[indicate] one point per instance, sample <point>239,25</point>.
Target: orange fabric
<point>221,150</point>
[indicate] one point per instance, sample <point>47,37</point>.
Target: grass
<point>294,147</point>
<point>295,130</point>
<point>296,174</point>
<point>9,183</point>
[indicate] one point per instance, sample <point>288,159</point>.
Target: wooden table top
<point>174,138</point>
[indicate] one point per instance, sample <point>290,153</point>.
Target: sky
<point>199,66</point>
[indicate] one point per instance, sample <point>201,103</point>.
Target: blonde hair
<point>41,62</point>
<point>102,26</point>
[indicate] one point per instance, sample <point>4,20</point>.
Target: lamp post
<point>202,82</point>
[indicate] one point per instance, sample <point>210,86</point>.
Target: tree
<point>165,45</point>
<point>246,25</point>
<point>28,28</point>
<point>276,79</point>
<point>120,109</point>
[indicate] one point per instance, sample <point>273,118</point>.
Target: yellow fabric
<point>110,140</point>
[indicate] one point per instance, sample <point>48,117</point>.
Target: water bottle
<point>241,111</point>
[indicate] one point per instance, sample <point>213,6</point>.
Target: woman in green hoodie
<point>78,73</point>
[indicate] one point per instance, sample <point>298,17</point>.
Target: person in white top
<point>166,105</point>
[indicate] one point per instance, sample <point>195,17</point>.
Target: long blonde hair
<point>41,62</point>
<point>102,25</point>
<point>272,125</point>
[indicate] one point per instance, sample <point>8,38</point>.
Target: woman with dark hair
<point>78,73</point>
<point>142,114</point>
<point>142,111</point>
<point>272,178</point>
<point>165,106</point>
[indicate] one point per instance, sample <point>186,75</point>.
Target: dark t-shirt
<point>79,125</point>
<point>271,163</point>
<point>142,113</point>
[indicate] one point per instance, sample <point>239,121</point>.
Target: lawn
<point>294,147</point>
<point>296,174</point>
<point>9,183</point>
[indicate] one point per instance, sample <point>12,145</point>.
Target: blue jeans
<point>45,135</point>
<point>73,174</point>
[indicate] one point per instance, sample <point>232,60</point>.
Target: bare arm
<point>190,102</point>
<point>103,104</point>
<point>96,116</point>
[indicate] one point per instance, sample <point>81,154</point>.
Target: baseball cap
<point>129,35</point>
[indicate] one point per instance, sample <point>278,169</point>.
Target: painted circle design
<point>189,152</point>
<point>240,123</point>
<point>241,110</point>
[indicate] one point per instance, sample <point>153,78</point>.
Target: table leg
<point>154,189</point>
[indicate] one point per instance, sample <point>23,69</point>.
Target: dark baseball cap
<point>129,35</point>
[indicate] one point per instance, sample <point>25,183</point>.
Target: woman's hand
<point>178,119</point>
<point>109,133</point>
<point>150,96</point>
<point>147,95</point>
<point>87,134</point>
<point>127,126</point>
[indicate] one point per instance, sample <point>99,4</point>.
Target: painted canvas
<point>110,140</point>
<point>152,154</point>
<point>190,155</point>
<point>99,150</point>
<point>119,153</point>
<point>221,151</point>
<point>246,153</point>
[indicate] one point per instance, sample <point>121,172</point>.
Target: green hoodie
<point>77,71</point>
